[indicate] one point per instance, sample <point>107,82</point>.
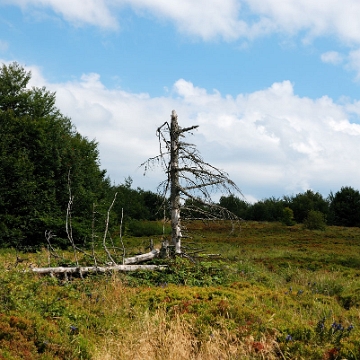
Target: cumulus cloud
<point>317,18</point>
<point>93,12</point>
<point>228,19</point>
<point>204,18</point>
<point>351,61</point>
<point>272,142</point>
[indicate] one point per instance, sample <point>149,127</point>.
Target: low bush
<point>288,217</point>
<point>315,220</point>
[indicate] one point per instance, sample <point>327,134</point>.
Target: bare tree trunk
<point>140,258</point>
<point>188,178</point>
<point>95,269</point>
<point>68,225</point>
<point>106,232</point>
<point>175,186</point>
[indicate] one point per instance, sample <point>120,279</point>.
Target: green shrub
<point>288,217</point>
<point>315,220</point>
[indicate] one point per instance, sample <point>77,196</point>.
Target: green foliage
<point>342,209</point>
<point>183,272</point>
<point>39,147</point>
<point>315,220</point>
<point>288,217</point>
<point>235,205</point>
<point>345,207</point>
<point>301,204</point>
<point>147,228</point>
<point>266,210</point>
<point>137,203</point>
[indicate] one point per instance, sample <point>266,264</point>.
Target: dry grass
<point>154,337</point>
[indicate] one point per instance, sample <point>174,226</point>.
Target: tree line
<point>49,171</point>
<point>341,208</point>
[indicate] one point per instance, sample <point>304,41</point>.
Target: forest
<point>43,159</point>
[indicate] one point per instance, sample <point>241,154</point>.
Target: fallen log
<point>94,269</point>
<point>143,257</point>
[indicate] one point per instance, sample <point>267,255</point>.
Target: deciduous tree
<point>302,203</point>
<point>38,147</point>
<point>345,207</point>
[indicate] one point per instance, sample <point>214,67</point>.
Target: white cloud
<point>317,18</point>
<point>228,19</point>
<point>351,61</point>
<point>204,18</point>
<point>271,141</point>
<point>353,108</point>
<point>93,12</point>
<point>345,127</point>
<point>332,57</point>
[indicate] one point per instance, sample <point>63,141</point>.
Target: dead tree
<point>189,180</point>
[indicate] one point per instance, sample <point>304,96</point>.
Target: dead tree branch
<point>106,231</point>
<point>120,234</point>
<point>68,225</point>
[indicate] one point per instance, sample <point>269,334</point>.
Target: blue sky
<point>274,85</point>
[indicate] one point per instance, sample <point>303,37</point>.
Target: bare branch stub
<point>68,223</point>
<point>189,179</point>
<point>106,232</point>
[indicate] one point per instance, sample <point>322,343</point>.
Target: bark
<point>174,184</point>
<point>94,269</point>
<point>127,266</point>
<point>143,257</point>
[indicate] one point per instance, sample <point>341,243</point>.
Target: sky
<point>274,85</point>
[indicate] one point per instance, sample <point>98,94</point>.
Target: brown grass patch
<point>154,337</point>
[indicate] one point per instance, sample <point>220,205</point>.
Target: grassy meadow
<point>274,292</point>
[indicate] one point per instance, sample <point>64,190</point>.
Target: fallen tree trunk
<point>143,257</point>
<point>127,266</point>
<point>94,269</point>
